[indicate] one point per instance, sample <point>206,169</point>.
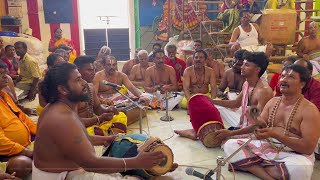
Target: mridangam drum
<point>205,119</point>
<point>130,145</point>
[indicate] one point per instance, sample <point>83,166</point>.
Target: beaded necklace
<point>198,79</point>
<point>288,124</point>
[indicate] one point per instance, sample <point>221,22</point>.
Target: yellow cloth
<point>39,109</point>
<point>29,69</point>
<point>15,132</point>
<point>105,126</point>
<point>184,102</point>
<point>272,4</point>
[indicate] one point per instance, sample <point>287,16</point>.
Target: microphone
<point>116,86</point>
<point>191,172</point>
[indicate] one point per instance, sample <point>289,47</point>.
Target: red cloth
<point>274,83</point>
<point>179,66</point>
<point>202,111</point>
<point>12,67</point>
<point>312,92</point>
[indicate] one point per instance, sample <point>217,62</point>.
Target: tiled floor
<point>186,152</point>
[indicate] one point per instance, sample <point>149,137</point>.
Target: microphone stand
<point>167,117</point>
<point>254,113</point>
<point>141,108</point>
<point>223,161</point>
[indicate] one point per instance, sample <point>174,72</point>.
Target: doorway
<point>105,23</point>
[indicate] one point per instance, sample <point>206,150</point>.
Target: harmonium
<point>131,110</point>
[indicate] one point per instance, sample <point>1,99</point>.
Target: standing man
<point>96,117</point>
<point>198,77</point>
<point>178,65</point>
<point>29,72</point>
<point>72,155</point>
<point>138,71</point>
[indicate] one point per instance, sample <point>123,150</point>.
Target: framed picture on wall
<point>14,3</point>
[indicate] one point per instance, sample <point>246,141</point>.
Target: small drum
<point>130,145</point>
<point>205,119</point>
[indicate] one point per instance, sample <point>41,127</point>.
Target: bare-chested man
<point>126,69</point>
<point>161,78</point>
<point>138,71</point>
<point>255,93</point>
<point>63,149</point>
<point>107,94</point>
<point>198,77</point>
<point>288,135</point>
<point>106,118</point>
<point>232,78</point>
<point>217,67</point>
<point>309,46</point>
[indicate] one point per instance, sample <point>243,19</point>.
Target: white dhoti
<point>289,164</point>
<point>231,116</point>
<point>79,174</point>
<point>158,100</point>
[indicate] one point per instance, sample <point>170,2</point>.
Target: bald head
<point>306,64</point>
<point>313,29</point>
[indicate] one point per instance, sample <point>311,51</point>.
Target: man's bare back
<point>126,69</point>
<point>217,67</point>
<point>138,74</point>
<point>231,80</point>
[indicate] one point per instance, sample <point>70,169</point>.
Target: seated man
<point>255,92</point>
<point>71,151</point>
<point>62,53</point>
<point>178,65</point>
<point>285,144</point>
<point>247,36</point>
<point>155,46</point>
<point>137,74</point>
<point>107,94</point>
<point>126,69</point>
<point>312,87</point>
<point>274,82</point>
<point>29,72</point>
<point>97,118</point>
<point>309,48</point>
<point>197,45</point>
<point>16,129</point>
<point>52,60</point>
<point>161,79</point>
<point>197,78</point>
<point>217,66</point>
<point>232,78</point>
<point>104,52</point>
<point>11,61</point>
